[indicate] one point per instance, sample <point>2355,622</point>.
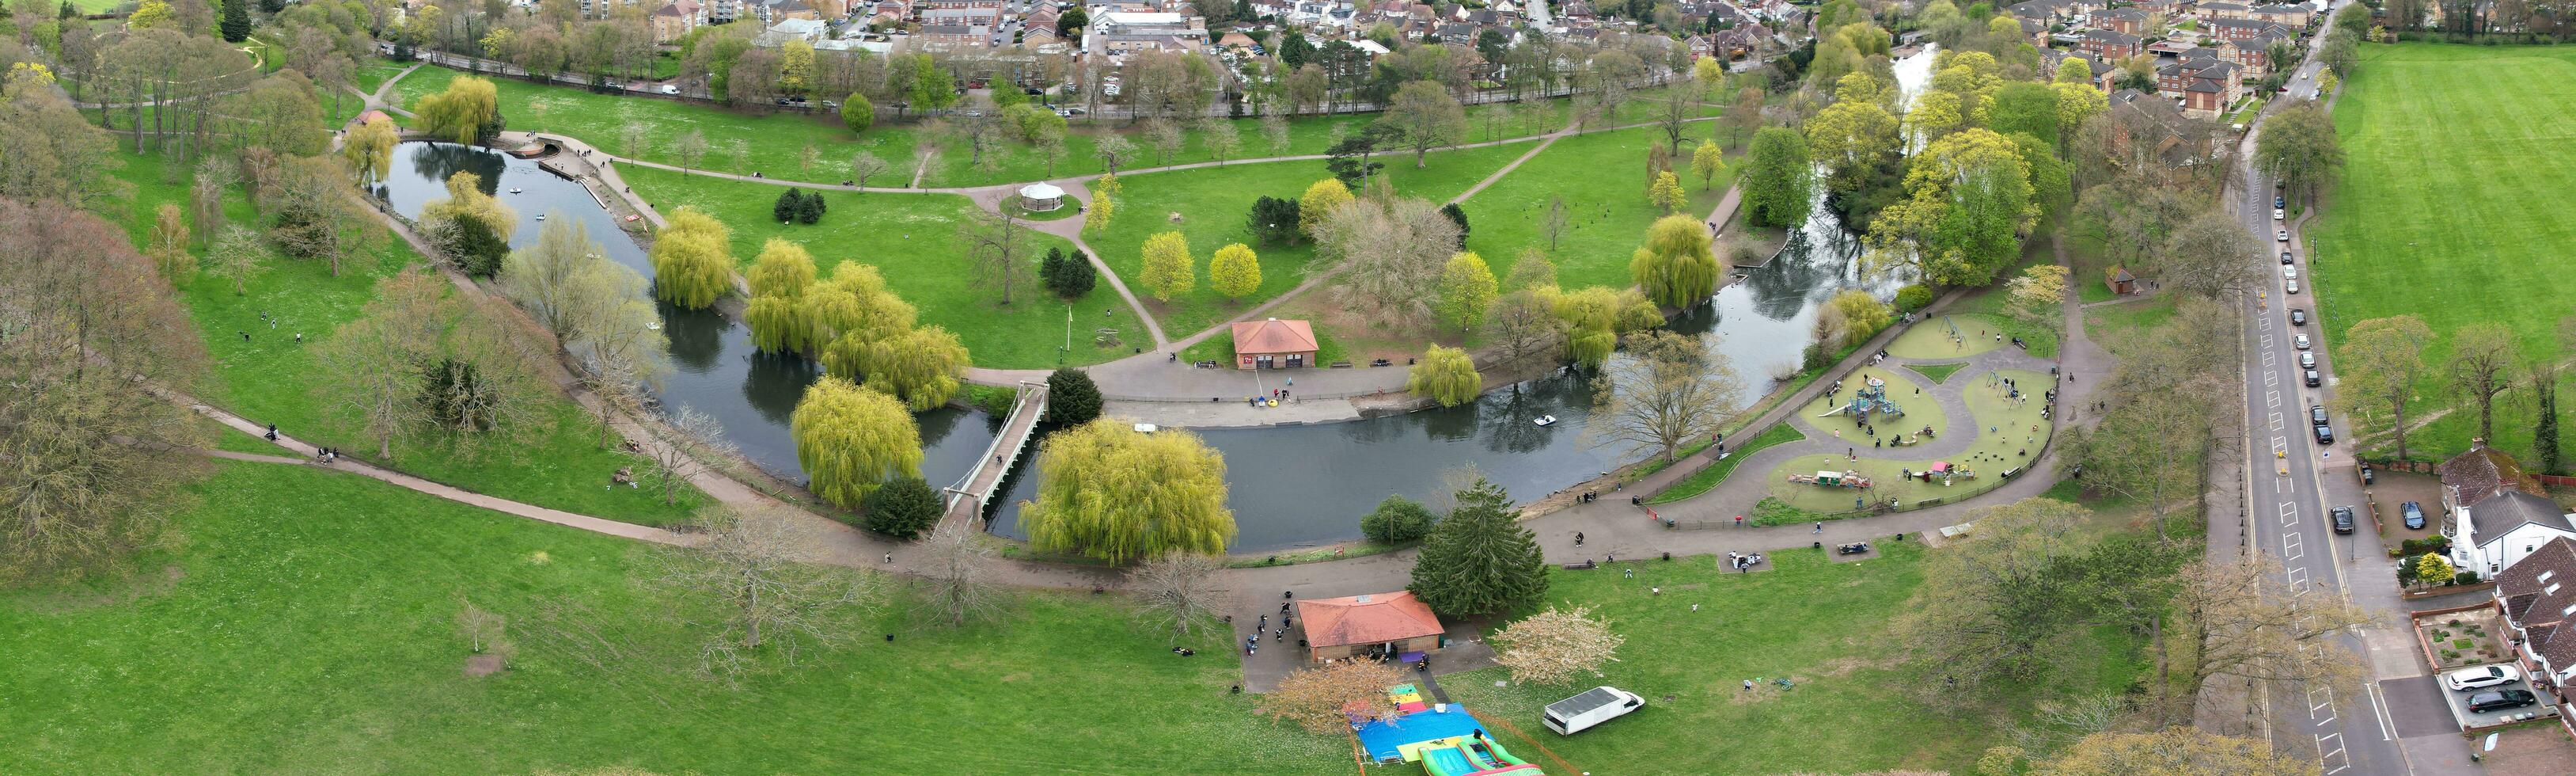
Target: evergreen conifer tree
<point>1479,560</point>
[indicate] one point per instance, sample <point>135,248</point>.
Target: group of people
<point>1743,562</point>
<point>326,456</point>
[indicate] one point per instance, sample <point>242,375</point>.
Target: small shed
<point>1390,624</point>
<point>372,116</point>
<point>1041,197</point>
<point>1274,344</point>
<point>2120,281</point>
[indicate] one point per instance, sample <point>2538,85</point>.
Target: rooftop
<point>1365,619</point>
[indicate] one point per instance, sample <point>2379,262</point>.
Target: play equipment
<point>1832,479</point>
<point>1869,399</point>
<point>1443,737</point>
<point>1474,756</point>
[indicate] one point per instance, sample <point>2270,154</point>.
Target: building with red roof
<point>1387,623</point>
<point>1274,344</point>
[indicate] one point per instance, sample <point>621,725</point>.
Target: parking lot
<point>2459,704</point>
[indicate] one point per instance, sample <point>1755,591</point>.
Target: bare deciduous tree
<point>1323,699</point>
<point>999,250</point>
<point>1179,589</point>
<point>1390,255</point>
<point>675,455</point>
<point>2231,619</point>
<point>956,587</point>
<point>1557,645</point>
<point>1675,390</point>
<point>758,582</point>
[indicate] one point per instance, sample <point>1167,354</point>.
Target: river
<point>1291,486</point>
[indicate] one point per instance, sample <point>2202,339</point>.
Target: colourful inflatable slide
<point>1470,757</point>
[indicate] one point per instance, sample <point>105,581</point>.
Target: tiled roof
<point>2479,473</point>
<point>1274,336</point>
<point>1366,619</point>
<point>2496,516</point>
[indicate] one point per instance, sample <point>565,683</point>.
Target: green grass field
<point>308,623</point>
<point>1602,178</point>
<point>1213,202</point>
<point>1940,373</point>
<point>2453,208</point>
<point>269,378</point>
<point>774,143</point>
<point>1821,624</point>
<point>913,239</point>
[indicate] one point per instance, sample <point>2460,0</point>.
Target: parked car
<point>2499,700</point>
<point>2289,272</point>
<point>670,89</point>
<point>2299,341</point>
<point>2313,380</point>
<point>2307,359</point>
<point>2298,317</point>
<point>2285,257</point>
<point>2368,475</point>
<point>2282,235</point>
<point>2289,286</point>
<point>2277,214</point>
<point>2342,519</point>
<point>2414,513</point>
<point>2279,201</point>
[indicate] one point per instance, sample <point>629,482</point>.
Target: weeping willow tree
<point>854,301</point>
<point>1446,375</point>
<point>779,279</point>
<point>852,439</point>
<point>692,260</point>
<point>919,366</point>
<point>1675,266</point>
<point>1111,492</point>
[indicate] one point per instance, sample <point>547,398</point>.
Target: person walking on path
<point>1820,526</point>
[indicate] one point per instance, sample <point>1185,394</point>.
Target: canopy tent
<point>1041,197</point>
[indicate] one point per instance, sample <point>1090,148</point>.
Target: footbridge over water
<point>972,497</point>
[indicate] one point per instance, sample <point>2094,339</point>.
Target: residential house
<point>1117,35</point>
<point>1458,34</point>
<point>723,11</point>
<point>1739,42</point>
<point>2044,11</point>
<point>779,34</point>
<point>2103,72</point>
<point>970,17</point>
<point>926,5</point>
<point>2296,15</point>
<point>2215,11</point>
<point>2538,598</point>
<point>2125,20</point>
<point>2243,29</point>
<point>1236,40</point>
<point>2138,117</point>
<point>2501,530</point>
<point>2110,45</point>
<point>675,19</point>
<point>2166,7</point>
<point>2254,55</point>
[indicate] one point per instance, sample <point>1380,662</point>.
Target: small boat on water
<point>1544,420</point>
<point>514,189</point>
<point>541,216</point>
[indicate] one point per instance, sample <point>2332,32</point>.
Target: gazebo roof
<point>1041,191</point>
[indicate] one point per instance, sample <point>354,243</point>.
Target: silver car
<point>2481,676</point>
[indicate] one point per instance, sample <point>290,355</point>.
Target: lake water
<point>1291,486</point>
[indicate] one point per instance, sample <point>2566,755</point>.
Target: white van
<point>1595,706</point>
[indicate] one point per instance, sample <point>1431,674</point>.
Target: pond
<point>1291,486</point>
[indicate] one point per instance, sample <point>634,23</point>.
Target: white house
<point>2500,530</point>
<point>2490,514</point>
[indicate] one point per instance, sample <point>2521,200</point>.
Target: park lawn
<point>2117,326</point>
<point>373,75</point>
<point>1940,373</point>
<point>307,622</point>
<point>1995,302</point>
<point>912,239</point>
<point>1934,338</point>
<point>1709,476</point>
<point>742,142</point>
<point>1991,453</point>
<point>269,378</point>
<point>1601,177</point>
<point>1855,705</point>
<point>2456,187</point>
<point>1213,202</point>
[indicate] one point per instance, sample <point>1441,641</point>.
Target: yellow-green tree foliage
<point>369,150</point>
<point>919,366</point>
<point>460,112</point>
<point>1467,289</point>
<point>1111,492</point>
<point>1636,313</point>
<point>796,66</point>
<point>1447,376</point>
<point>852,439</point>
<point>1103,206</point>
<point>1863,315</point>
<point>1666,193</point>
<point>1675,266</point>
<point>779,279</point>
<point>1320,201</point>
<point>855,302</point>
<point>150,14</point>
<point>2433,570</point>
<point>1235,271</point>
<point>692,260</point>
<point>1169,270</point>
<point>465,197</point>
<point>1707,162</point>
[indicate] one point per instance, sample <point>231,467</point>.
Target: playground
<point>2006,420</point>
<point>1878,407</point>
<point>1949,336</point>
